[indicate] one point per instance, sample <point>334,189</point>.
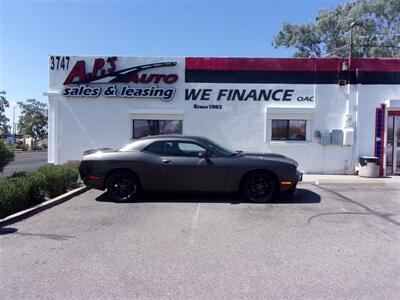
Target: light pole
<point>352,25</point>
<point>14,127</point>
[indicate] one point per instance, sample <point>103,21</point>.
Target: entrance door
<point>393,145</point>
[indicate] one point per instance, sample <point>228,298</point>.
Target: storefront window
<point>288,130</point>
<point>154,127</point>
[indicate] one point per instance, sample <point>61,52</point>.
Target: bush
<point>22,147</point>
<point>19,193</point>
<point>59,178</point>
<point>36,148</point>
<point>19,174</point>
<point>6,155</point>
<point>44,146</point>
<point>73,164</point>
<point>25,189</point>
<point>14,195</point>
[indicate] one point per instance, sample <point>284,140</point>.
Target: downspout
<point>351,117</point>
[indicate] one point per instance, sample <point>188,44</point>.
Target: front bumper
<point>300,175</point>
<point>290,186</point>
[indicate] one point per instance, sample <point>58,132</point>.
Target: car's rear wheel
<point>260,187</point>
<point>122,186</point>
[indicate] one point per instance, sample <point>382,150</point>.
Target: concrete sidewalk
<point>318,178</point>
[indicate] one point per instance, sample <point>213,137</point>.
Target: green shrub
<point>37,186</point>
<point>14,194</point>
<point>19,174</point>
<point>19,193</point>
<point>22,147</point>
<point>44,146</point>
<point>73,164</point>
<point>25,189</point>
<point>59,178</point>
<point>36,147</point>
<point>6,155</point>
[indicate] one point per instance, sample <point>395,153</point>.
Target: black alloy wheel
<point>122,186</point>
<point>260,187</point>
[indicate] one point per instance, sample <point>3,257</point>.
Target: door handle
<point>166,161</point>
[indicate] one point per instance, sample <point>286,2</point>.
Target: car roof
<point>173,136</point>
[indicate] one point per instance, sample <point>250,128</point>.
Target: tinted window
<point>156,147</point>
<point>143,128</point>
<point>172,148</point>
<point>218,149</point>
<point>290,130</point>
<point>187,149</point>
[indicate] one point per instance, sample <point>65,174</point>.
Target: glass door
<point>396,150</point>
<point>393,145</point>
<point>389,145</point>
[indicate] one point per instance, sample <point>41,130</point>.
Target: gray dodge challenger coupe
<point>187,163</point>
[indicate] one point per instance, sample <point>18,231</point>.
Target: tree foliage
<point>376,34</point>
<point>4,127</point>
<point>33,119</point>
<point>6,155</point>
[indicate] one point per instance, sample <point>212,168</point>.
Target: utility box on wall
<point>337,137</point>
<point>348,137</point>
<point>326,139</point>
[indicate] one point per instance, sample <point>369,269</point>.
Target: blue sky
<point>30,30</point>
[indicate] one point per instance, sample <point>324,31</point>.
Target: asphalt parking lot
<point>25,161</point>
<point>333,241</point>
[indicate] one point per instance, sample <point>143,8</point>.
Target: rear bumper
<point>96,184</point>
<point>90,179</point>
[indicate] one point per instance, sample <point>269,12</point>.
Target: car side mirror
<point>204,154</point>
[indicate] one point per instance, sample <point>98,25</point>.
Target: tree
<point>33,119</point>
<point>4,127</point>
<point>376,34</point>
<point>6,155</point>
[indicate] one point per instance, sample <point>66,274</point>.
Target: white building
<point>323,112</point>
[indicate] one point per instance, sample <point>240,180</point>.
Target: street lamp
<point>352,25</point>
<point>14,125</point>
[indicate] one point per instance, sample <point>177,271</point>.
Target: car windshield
<point>218,149</point>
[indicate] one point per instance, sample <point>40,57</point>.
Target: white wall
<point>78,124</point>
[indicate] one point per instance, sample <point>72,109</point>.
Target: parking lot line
<point>194,226</point>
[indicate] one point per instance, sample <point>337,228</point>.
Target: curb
<point>19,216</point>
<point>360,181</point>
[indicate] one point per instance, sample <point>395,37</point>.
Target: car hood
<point>270,156</point>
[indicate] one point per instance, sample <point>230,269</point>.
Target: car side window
<point>186,149</point>
<point>156,148</point>
<point>175,148</point>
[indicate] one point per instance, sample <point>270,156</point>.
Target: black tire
<point>122,186</point>
<point>260,187</point>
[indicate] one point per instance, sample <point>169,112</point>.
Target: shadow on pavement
<point>7,230</point>
<point>387,216</point>
<point>51,236</point>
<point>303,196</point>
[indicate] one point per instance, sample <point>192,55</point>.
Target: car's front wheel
<point>260,187</point>
<point>122,186</point>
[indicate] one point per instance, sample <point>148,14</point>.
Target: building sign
<point>133,82</point>
<point>245,95</point>
<point>198,85</point>
<point>217,96</point>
